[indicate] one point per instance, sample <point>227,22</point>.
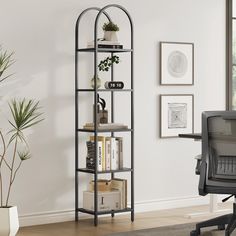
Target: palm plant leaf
<point>5,62</point>
<point>25,114</point>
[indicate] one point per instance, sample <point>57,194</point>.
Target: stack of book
<point>109,153</point>
<point>106,44</point>
<point>107,126</point>
<point>113,185</point>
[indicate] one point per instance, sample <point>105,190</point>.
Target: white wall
<point>42,35</point>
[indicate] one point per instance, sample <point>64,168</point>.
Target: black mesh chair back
<point>218,152</point>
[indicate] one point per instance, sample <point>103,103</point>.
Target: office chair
<point>217,165</point>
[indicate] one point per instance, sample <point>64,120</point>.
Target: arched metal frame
<point>96,50</point>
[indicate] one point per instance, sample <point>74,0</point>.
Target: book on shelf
<point>121,186</point>
<point>90,160</point>
<point>103,185</point>
<point>109,153</point>
<point>105,44</point>
<point>107,126</point>
<point>119,141</point>
<point>114,154</point>
<point>101,152</point>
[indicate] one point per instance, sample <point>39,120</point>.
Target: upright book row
<point>109,153</point>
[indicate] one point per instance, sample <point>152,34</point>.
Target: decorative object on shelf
<point>25,114</point>
<point>114,85</point>
<point>102,43</point>
<point>177,63</point>
<point>177,114</point>
<point>106,200</point>
<point>105,64</point>
<point>110,30</point>
<point>6,61</point>
<point>99,82</point>
<point>102,114</point>
<point>108,126</point>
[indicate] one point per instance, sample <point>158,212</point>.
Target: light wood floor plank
<point>119,223</point>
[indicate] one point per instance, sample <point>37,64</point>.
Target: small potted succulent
<point>110,30</point>
<point>13,152</point>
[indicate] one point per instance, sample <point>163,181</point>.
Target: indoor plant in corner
<point>14,151</point>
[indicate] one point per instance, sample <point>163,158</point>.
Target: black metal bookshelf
<point>96,131</point>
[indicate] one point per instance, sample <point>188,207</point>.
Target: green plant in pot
<point>105,65</point>
<point>14,151</point>
<point>110,30</point>
<point>6,61</point>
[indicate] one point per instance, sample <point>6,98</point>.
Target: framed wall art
<point>176,114</point>
<point>177,63</point>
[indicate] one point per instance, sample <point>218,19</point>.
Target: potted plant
<point>14,151</point>
<point>104,65</point>
<point>5,62</point>
<point>110,30</point>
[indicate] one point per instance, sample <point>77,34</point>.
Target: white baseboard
<point>46,217</point>
<point>143,206</point>
<point>170,203</point>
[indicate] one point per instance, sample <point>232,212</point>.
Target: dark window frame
<point>229,53</point>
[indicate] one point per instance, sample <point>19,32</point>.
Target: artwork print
<point>176,114</point>
<point>177,65</point>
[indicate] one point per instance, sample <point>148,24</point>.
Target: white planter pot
<point>110,36</point>
<point>9,222</point>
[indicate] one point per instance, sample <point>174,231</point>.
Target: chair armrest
<point>199,160</point>
<point>202,180</point>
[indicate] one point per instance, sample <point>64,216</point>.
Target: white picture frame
<point>177,63</point>
<point>177,114</point>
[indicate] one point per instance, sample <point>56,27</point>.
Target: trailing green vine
<point>105,64</point>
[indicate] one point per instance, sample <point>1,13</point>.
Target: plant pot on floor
<point>9,222</point>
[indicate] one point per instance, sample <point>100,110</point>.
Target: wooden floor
<point>119,223</point>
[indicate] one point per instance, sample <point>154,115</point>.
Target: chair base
<point>220,221</point>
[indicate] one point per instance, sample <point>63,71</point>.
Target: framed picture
<point>177,63</point>
<point>176,114</point>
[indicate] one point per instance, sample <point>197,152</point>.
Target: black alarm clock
<point>114,85</point>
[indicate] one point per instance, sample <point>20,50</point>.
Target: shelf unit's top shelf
<point>109,50</point>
